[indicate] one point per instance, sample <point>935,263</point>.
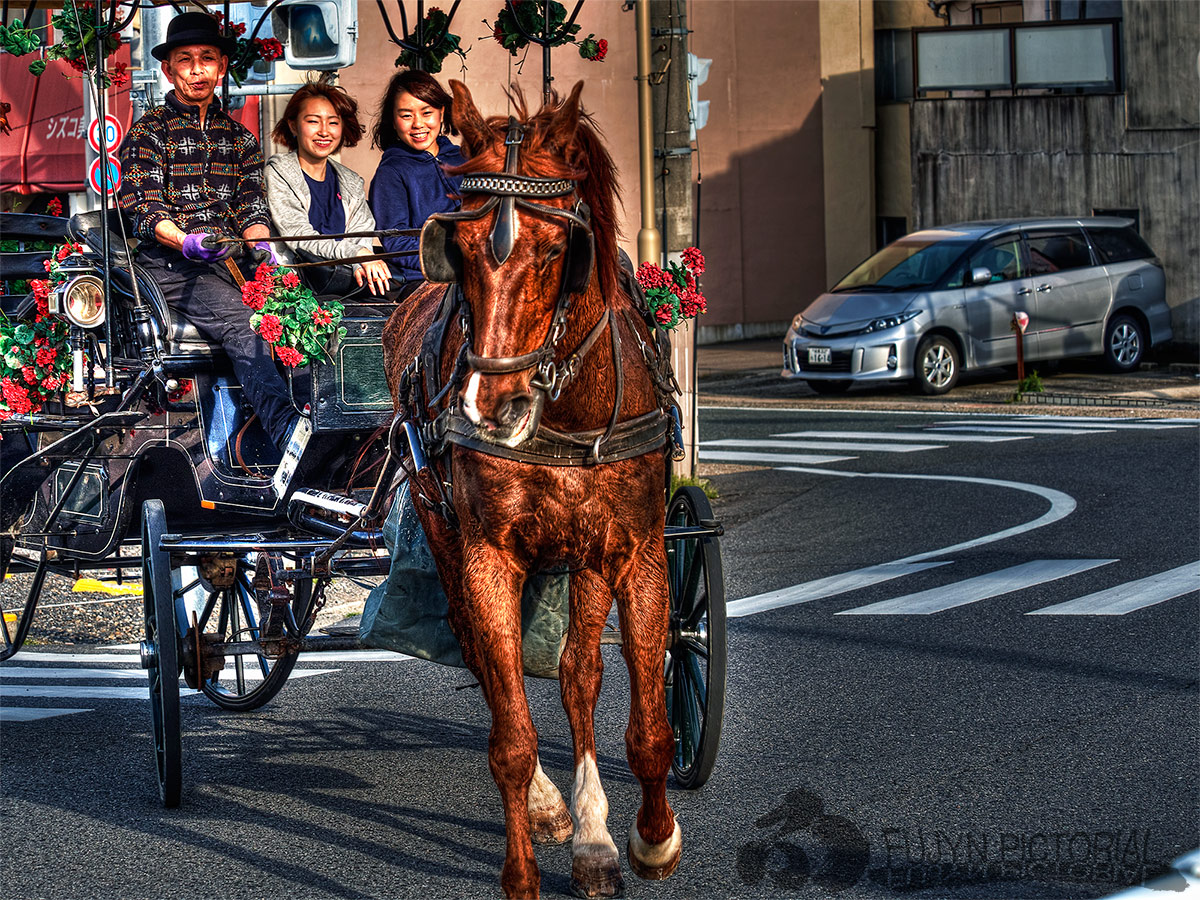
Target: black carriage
<point>153,462</point>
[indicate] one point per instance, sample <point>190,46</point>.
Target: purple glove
<point>202,247</point>
<point>264,252</point>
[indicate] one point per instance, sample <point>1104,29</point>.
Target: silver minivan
<point>941,301</point>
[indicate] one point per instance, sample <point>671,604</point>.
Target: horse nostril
<point>514,409</point>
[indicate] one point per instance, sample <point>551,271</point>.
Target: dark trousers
<point>205,294</point>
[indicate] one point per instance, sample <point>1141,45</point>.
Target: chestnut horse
<point>547,448</point>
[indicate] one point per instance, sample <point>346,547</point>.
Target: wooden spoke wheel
<point>696,651</point>
<point>160,653</point>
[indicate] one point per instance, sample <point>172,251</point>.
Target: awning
<point>45,152</point>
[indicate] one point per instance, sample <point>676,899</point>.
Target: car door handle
<point>1042,288</point>
<point>1024,292</point>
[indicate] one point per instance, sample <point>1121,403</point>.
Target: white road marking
<point>1077,422</point>
<point>804,459</point>
<point>900,436</point>
<point>823,445</point>
<point>1061,506</point>
<point>313,656</point>
<point>1133,595</point>
<point>1031,429</point>
<point>48,673</point>
<point>34,713</point>
<point>825,587</point>
<point>112,692</point>
<point>981,587</point>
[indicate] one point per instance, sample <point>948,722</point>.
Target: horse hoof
<point>551,826</point>
<point>654,862</point>
<point>596,876</point>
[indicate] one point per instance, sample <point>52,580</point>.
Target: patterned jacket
<point>201,178</point>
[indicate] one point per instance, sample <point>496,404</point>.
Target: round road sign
<point>113,133</point>
<point>114,175</point>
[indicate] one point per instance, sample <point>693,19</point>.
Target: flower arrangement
<point>35,361</point>
<point>521,17</point>
<point>437,43</point>
<point>248,51</point>
<point>673,295</point>
<point>79,40</point>
<point>289,318</point>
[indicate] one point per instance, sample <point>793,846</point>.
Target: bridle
<point>441,260</point>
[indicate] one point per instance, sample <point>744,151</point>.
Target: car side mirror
<point>981,275</point>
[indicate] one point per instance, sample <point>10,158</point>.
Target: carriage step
<point>334,503</point>
<point>341,630</point>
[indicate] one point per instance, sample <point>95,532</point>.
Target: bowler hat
<point>194,28</point>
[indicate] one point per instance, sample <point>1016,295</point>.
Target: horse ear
<point>476,133</point>
<point>561,132</point>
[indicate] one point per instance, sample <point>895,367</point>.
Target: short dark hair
<point>343,104</point>
<point>424,87</point>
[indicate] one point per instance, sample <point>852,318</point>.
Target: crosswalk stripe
<point>34,713</point>
<point>9,673</point>
<point>899,436</point>
<point>981,587</point>
<point>825,587</point>
<point>777,458</point>
<point>1131,596</point>
<point>314,656</point>
<point>1076,422</point>
<point>1015,429</point>
<point>112,692</point>
<point>879,447</point>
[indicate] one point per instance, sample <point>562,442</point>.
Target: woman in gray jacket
<point>309,193</point>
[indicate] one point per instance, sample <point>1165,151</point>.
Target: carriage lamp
<point>83,301</point>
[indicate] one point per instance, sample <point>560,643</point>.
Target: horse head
<point>522,249</point>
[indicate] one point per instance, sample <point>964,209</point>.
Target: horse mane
<point>586,161</point>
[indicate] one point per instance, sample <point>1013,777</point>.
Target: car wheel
<point>830,387</point>
<point>936,366</point>
<point>1124,344</point>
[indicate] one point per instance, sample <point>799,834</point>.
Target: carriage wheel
<point>696,655</point>
<point>248,680</point>
<point>160,653</point>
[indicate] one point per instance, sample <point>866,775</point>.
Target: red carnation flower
<point>50,383</point>
<point>291,280</point>
<point>29,373</point>
<point>322,316</point>
<point>46,355</point>
<point>265,273</point>
<point>289,356</point>
<point>16,396</point>
<point>602,52</point>
<point>270,329</point>
<point>54,207</point>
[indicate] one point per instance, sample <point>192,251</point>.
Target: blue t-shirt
<point>326,214</point>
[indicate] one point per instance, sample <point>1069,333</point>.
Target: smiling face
<point>318,130</point>
<point>417,123</point>
<point>195,70</point>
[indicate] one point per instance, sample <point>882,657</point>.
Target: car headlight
<point>886,322</point>
<point>83,301</point>
<point>798,323</point>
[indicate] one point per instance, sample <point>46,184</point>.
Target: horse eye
<point>554,253</point>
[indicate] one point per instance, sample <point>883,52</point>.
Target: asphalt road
<point>910,710</point>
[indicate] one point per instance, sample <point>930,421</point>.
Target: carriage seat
<point>182,342</point>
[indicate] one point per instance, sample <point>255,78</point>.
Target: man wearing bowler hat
<point>192,173</point>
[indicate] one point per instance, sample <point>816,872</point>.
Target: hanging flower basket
<point>289,317</point>
<point>436,44</point>
<point>524,17</point>
<point>673,295</point>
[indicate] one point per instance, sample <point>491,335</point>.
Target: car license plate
<point>819,356</point>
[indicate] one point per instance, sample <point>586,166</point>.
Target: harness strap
<point>628,439</point>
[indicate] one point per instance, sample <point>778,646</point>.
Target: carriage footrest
<point>332,503</point>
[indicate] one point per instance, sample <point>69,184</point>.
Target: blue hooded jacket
<point>408,187</point>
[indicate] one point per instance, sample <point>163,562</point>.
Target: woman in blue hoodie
<point>410,183</point>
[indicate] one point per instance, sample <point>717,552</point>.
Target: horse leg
<point>549,818</point>
<point>595,866</point>
<point>655,840</point>
<point>492,599</point>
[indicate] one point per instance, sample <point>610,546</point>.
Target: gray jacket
<point>289,200</point>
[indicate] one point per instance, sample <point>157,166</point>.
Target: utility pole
<point>672,185</point>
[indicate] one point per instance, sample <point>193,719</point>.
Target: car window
<point>1057,251</point>
<point>909,263</point>
<point>1002,257</point>
<point>1114,245</point>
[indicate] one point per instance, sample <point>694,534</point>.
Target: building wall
<point>1065,155</point>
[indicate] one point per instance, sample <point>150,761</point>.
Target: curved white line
<point>1061,505</point>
